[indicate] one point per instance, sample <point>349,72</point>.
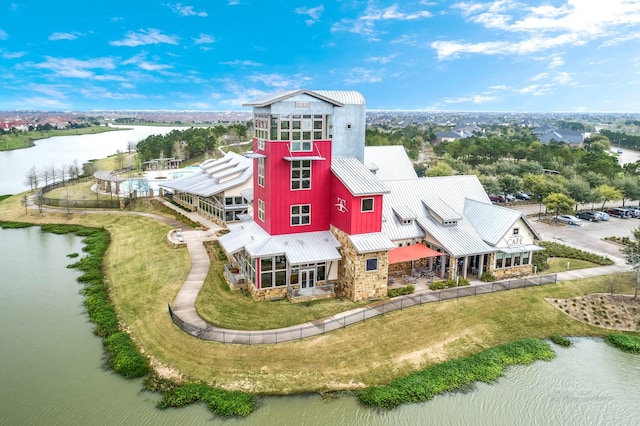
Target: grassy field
<point>144,275</point>
<point>9,141</point>
<point>559,264</point>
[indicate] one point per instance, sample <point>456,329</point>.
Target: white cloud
<point>42,102</point>
<point>144,37</point>
<point>244,63</point>
<point>3,35</point>
<point>58,92</point>
<point>233,2</point>
<point>64,36</point>
<point>203,39</point>
<point>362,75</point>
<point>556,62</point>
<point>380,59</point>
<point>183,10</point>
<point>474,99</point>
<point>545,27</point>
<point>96,92</point>
<point>313,13</point>
<point>76,68</point>
<point>365,24</point>
<point>13,55</point>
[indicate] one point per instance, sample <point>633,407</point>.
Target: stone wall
<point>354,282</point>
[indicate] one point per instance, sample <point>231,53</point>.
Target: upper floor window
<point>516,231</point>
<point>301,174</point>
<point>367,205</point>
<point>300,214</point>
<point>300,129</point>
<point>303,105</point>
<point>261,210</point>
<point>261,172</point>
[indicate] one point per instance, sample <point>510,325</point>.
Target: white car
<point>568,219</point>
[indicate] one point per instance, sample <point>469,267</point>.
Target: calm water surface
<point>63,150</point>
<point>52,369</point>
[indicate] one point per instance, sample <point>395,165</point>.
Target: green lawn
<point>559,264</point>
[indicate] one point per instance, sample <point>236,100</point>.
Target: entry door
<point>307,278</point>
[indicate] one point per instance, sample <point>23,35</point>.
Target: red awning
<point>414,252</point>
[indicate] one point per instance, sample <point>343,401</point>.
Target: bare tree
<point>53,173</point>
<point>62,172</point>
<point>120,159</point>
<point>612,282</point>
<point>45,176</point>
<point>32,178</point>
<point>131,146</point>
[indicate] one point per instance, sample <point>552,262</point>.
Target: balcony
<point>236,279</point>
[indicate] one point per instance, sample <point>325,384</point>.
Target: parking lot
<point>589,236</point>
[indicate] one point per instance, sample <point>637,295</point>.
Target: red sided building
<point>317,210</point>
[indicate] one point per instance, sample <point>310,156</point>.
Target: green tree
<point>559,203</point>
<point>440,169</point>
<point>578,189</point>
<point>608,193</point>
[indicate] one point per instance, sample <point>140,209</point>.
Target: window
<point>302,105</point>
<point>516,231</point>
<point>372,264</point>
<point>499,260</point>
<point>367,205</point>
<point>301,214</point>
<point>261,172</point>
<point>273,271</point>
<point>301,174</point>
<point>261,210</point>
<point>260,143</point>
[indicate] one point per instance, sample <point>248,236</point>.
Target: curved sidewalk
<point>185,316</point>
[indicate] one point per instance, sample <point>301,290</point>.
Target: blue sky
<point>504,55</point>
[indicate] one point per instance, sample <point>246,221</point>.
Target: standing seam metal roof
<point>356,177</point>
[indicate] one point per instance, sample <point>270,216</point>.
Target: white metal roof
<point>391,162</point>
<point>404,213</point>
<point>215,176</point>
<point>306,247</point>
<point>356,177</point>
<point>491,221</point>
<point>367,243</point>
<point>458,240</point>
<point>441,209</point>
<point>335,97</point>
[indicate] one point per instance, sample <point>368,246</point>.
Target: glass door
<point>307,278</point>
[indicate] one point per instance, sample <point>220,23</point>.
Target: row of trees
<point>52,174</point>
<point>191,142</point>
<point>413,138</point>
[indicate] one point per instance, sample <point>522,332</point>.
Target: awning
<point>520,249</point>
<point>413,252</point>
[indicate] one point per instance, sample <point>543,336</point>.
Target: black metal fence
<point>89,202</point>
<point>322,326</point>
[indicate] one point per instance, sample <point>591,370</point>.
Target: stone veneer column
<point>353,279</point>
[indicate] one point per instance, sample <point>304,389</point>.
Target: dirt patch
<point>617,312</point>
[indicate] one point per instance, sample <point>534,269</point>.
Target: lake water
<point>63,150</point>
<point>52,369</point>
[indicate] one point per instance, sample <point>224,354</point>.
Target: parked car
<point>603,215</point>
<point>635,212</point>
<point>523,196</point>
<point>590,216</point>
<point>619,151</point>
<point>619,213</point>
<point>509,198</point>
<point>494,198</point>
<point>568,219</point>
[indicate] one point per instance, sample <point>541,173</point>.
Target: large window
<point>301,174</point>
<point>261,210</point>
<point>273,271</point>
<point>261,172</point>
<point>261,126</point>
<point>301,214</point>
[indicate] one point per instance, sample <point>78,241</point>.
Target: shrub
<point>624,342</point>
<point>553,249</point>
<point>400,291</point>
<point>219,401</point>
<point>438,285</point>
<point>486,366</point>
<point>124,357</point>
<point>560,340</point>
<point>487,277</point>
